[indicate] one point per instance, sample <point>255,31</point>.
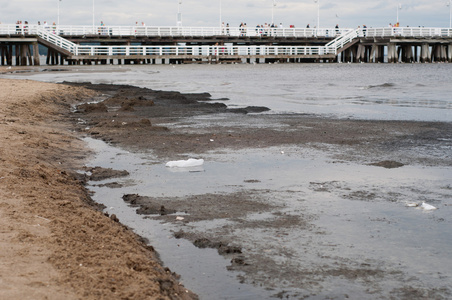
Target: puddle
<point>201,270</point>
<point>330,218</point>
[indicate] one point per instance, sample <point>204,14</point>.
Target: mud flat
<point>301,205</point>
<point>55,243</point>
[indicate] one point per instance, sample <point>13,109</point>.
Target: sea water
<point>383,231</point>
<point>420,92</point>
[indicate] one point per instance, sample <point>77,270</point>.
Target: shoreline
<point>56,243</point>
<point>169,120</point>
<point>174,126</point>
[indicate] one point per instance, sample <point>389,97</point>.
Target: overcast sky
<point>346,13</point>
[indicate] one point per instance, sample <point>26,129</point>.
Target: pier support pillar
<point>361,53</point>
<point>382,54</point>
<point>17,51</point>
<point>5,55</point>
<point>416,54</point>
<point>407,54</point>
<point>354,53</point>
<point>376,53</point>
<point>443,53</point>
<point>10,55</point>
<point>347,55</point>
<point>425,53</point>
<point>36,61</point>
<point>449,53</point>
<point>439,53</point>
<point>392,53</point>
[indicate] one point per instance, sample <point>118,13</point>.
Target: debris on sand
<point>191,162</point>
<point>423,205</point>
<point>426,206</point>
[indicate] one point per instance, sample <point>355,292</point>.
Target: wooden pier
<point>75,45</point>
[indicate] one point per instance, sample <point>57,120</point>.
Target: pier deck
<point>126,45</point>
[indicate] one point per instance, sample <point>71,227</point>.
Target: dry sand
<point>55,243</point>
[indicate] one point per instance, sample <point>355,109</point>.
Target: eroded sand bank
<point>55,243</point>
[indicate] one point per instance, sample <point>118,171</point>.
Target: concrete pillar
<point>10,55</point>
<point>354,53</point>
<point>436,53</point>
<point>360,53</point>
<point>3,50</point>
<point>416,54</point>
<point>449,53</point>
<point>53,58</point>
<point>382,54</point>
<point>368,53</point>
<point>443,53</point>
<point>425,53</point>
<point>18,50</point>
<point>36,61</point>
<point>29,55</point>
<point>347,55</point>
<point>374,53</point>
<point>392,53</point>
<point>407,53</point>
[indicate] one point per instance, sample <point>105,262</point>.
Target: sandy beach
<point>54,242</point>
<point>57,243</point>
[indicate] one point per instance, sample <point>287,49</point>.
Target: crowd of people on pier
<point>22,27</point>
<point>266,29</point>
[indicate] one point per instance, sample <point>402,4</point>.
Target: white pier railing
<point>344,39</point>
<point>56,40</point>
<point>203,50</point>
<point>173,31</point>
<point>170,31</point>
<point>405,32</point>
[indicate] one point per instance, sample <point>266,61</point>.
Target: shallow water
<point>202,270</point>
<point>358,216</point>
<point>365,91</point>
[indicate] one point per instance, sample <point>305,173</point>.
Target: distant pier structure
<point>75,45</point>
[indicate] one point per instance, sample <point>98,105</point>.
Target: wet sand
<point>142,119</point>
<point>173,126</point>
<point>55,242</point>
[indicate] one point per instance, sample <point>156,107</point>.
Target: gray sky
<point>346,13</point>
